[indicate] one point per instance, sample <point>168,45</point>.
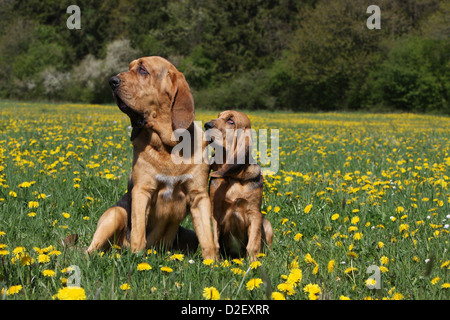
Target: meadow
<point>360,208</point>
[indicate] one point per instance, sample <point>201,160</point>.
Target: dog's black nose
<point>114,82</point>
<point>209,125</point>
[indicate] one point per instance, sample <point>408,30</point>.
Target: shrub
<point>247,91</point>
<point>89,79</point>
<point>414,77</point>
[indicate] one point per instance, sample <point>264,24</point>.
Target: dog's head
<point>231,131</point>
<point>155,95</point>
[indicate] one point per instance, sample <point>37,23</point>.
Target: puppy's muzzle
<point>209,125</point>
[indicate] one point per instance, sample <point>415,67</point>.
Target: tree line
<point>248,54</point>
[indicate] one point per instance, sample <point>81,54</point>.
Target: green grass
<point>389,170</point>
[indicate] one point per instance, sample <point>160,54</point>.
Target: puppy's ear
<point>240,158</point>
<point>182,102</point>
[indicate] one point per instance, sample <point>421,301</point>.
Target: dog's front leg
<point>201,220</point>
<point>140,209</point>
<point>254,234</point>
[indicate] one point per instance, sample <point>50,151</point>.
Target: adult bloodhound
<point>236,188</point>
<point>161,193</point>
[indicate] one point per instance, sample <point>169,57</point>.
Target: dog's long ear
<point>182,102</point>
<point>240,158</point>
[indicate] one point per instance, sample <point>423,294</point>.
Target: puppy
<point>236,188</point>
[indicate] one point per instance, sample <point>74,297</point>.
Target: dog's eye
<point>230,121</point>
<point>142,70</point>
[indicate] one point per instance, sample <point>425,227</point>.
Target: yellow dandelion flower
<point>358,236</point>
<point>370,283</point>
<point>330,266</point>
<point>255,264</point>
<point>48,273</point>
<point>298,237</point>
<point>236,270</point>
<point>399,209</point>
<point>335,216</point>
<point>166,269</point>
<point>225,263</point>
<point>43,258</point>
<point>309,259</point>
<point>54,253</point>
<point>33,204</point>
<point>384,260</point>
<point>287,288</point>
<point>276,209</point>
<point>24,259</point>
<point>253,284</point>
<point>71,293</point>
<point>278,296</point>
<point>384,269</point>
<point>397,296</point>
<point>435,280</point>
<point>445,264</point>
<point>178,257</point>
<point>308,208</point>
<point>13,290</point>
<point>143,266</point>
<point>403,227</point>
<point>351,269</point>
<point>294,277</point>
<point>26,184</point>
<point>313,291</point>
<point>66,215</point>
<point>125,287</point>
<point>294,264</point>
<point>110,176</point>
<point>208,262</point>
<point>315,269</point>
<point>211,293</point>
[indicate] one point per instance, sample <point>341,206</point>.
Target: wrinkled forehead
<point>239,118</point>
<point>153,63</point>
<point>225,114</point>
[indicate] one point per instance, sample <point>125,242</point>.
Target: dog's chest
<point>235,191</point>
<point>171,186</point>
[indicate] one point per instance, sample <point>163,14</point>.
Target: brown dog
<point>236,188</point>
<point>157,98</point>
